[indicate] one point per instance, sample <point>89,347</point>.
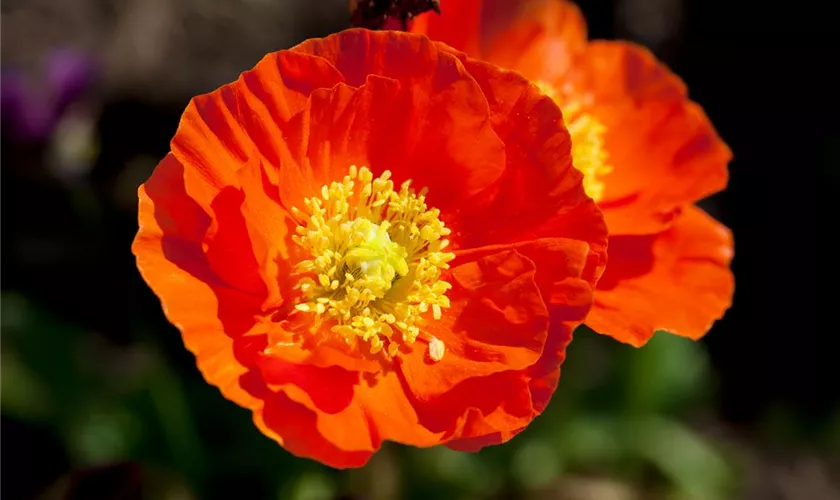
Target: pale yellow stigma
<point>436,349</point>
<point>589,153</point>
<point>376,257</point>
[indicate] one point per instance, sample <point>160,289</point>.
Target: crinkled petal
<point>296,428</point>
<point>212,315</point>
<point>678,281</point>
<point>374,409</point>
<point>220,131</point>
<point>417,112</point>
<point>468,394</point>
<point>497,322</point>
<point>540,194</point>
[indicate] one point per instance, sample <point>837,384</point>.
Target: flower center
<point>376,257</point>
<point>589,153</point>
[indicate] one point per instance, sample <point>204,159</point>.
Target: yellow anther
<point>375,260</point>
<point>589,153</point>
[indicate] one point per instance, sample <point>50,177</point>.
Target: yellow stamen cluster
<point>376,256</point>
<point>589,154</point>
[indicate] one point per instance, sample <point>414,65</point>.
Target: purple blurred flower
<point>69,74</point>
<point>32,107</point>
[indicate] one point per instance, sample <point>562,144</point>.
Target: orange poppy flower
<point>357,239</point>
<point>648,154</point>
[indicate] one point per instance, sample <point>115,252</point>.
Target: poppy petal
<point>397,420</point>
<point>537,196</point>
<point>664,150</point>
<point>541,39</point>
<point>482,411</point>
<point>497,322</point>
<point>678,281</point>
<point>463,35</point>
<point>220,131</point>
<point>296,427</point>
<point>247,243</point>
<point>491,407</point>
<point>212,315</point>
<point>560,264</point>
<point>538,38</point>
<point>338,433</point>
<point>417,112</point>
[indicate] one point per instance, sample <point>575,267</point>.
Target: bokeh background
<point>101,400</point>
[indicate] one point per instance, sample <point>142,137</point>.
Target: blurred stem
<point>177,423</point>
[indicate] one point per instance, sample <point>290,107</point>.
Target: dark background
<point>101,400</point>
